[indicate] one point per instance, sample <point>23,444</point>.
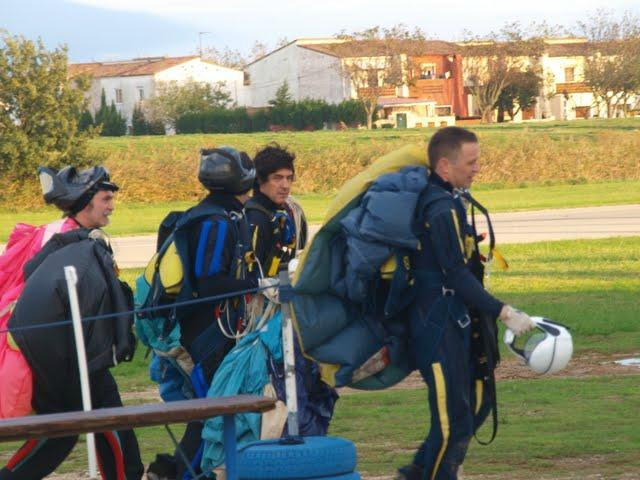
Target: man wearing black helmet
<point>87,197</point>
<point>87,200</point>
<point>218,252</point>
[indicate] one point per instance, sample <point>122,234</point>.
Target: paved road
<point>517,227</point>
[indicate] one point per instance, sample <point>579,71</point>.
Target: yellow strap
<point>273,268</point>
<point>479,392</point>
<point>457,225</point>
<point>12,343</point>
<point>328,373</point>
<point>441,396</point>
<point>254,240</point>
<point>499,259</point>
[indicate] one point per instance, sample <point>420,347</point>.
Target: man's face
<point>463,169</point>
<point>278,185</point>
<point>96,213</point>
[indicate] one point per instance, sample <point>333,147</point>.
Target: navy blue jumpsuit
<point>440,326</point>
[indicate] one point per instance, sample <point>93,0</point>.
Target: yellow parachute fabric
<point>343,202</point>
<point>391,162</point>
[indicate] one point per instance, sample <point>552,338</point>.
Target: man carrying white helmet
<point>452,322</point>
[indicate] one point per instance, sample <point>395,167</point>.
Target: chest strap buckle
<point>448,292</point>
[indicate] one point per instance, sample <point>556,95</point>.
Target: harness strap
<point>488,347</point>
<point>216,259</point>
<point>277,251</point>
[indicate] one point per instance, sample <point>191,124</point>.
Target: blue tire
<point>317,457</point>
<point>348,476</point>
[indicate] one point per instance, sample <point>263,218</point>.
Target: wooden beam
<point>120,418</point>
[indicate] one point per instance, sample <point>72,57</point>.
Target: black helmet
<point>71,191</point>
<point>226,169</point>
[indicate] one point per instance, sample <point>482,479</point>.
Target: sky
<point>104,30</point>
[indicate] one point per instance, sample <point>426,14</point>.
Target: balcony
<point>427,88</point>
<point>388,91</point>
<point>574,87</point>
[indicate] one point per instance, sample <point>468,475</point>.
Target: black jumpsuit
<point>441,331</point>
<point>218,252</point>
<point>51,353</point>
<point>270,226</point>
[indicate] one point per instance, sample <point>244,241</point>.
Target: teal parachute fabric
<point>347,312</point>
<point>243,370</point>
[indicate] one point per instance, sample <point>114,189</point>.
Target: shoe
<point>410,472</point>
<point>162,468</point>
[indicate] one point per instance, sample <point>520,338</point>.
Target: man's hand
<point>269,288</point>
<point>515,320</point>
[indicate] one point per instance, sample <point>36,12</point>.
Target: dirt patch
<point>141,396</point>
<point>583,365</point>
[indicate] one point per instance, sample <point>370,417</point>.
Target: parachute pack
<point>371,217</point>
<point>166,280</point>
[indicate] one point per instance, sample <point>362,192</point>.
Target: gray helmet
<point>226,169</point>
<point>70,190</point>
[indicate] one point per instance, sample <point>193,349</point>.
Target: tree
<point>139,125</point>
<point>377,60</point>
<point>109,119</point>
<point>612,67</point>
<point>225,57</point>
<point>520,95</point>
<point>39,110</point>
<point>495,62</point>
<point>258,50</point>
<point>174,100</point>
<point>283,96</point>
<point>86,121</point>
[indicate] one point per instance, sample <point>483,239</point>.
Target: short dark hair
<point>270,159</point>
<point>447,142</point>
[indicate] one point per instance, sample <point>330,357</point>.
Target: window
<point>427,71</point>
<point>118,95</point>
<point>569,74</point>
<point>140,93</point>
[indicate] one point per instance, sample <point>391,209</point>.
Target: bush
<point>156,127</point>
<point>307,114</point>
<point>139,125</point>
<point>219,120</point>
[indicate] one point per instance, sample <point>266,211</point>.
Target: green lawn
<point>547,427</point>
<point>550,427</point>
<point>141,218</point>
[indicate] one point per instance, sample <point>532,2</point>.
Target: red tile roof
<point>127,68</point>
<point>372,48</point>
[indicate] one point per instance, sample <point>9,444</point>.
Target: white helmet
<point>546,350</point>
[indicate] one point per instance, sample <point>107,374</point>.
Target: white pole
<point>72,280</point>
<point>289,364</point>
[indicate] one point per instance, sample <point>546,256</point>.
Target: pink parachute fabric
<point>24,242</point>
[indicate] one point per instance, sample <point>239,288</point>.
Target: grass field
<point>163,169</point>
<point>558,427</point>
<point>141,218</point>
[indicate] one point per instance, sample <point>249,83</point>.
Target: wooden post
<point>72,280</point>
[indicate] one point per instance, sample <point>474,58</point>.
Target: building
<point>129,82</point>
<point>318,68</point>
<point>308,69</point>
<point>564,95</point>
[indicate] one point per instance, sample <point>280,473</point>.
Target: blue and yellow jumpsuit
<point>441,331</point>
